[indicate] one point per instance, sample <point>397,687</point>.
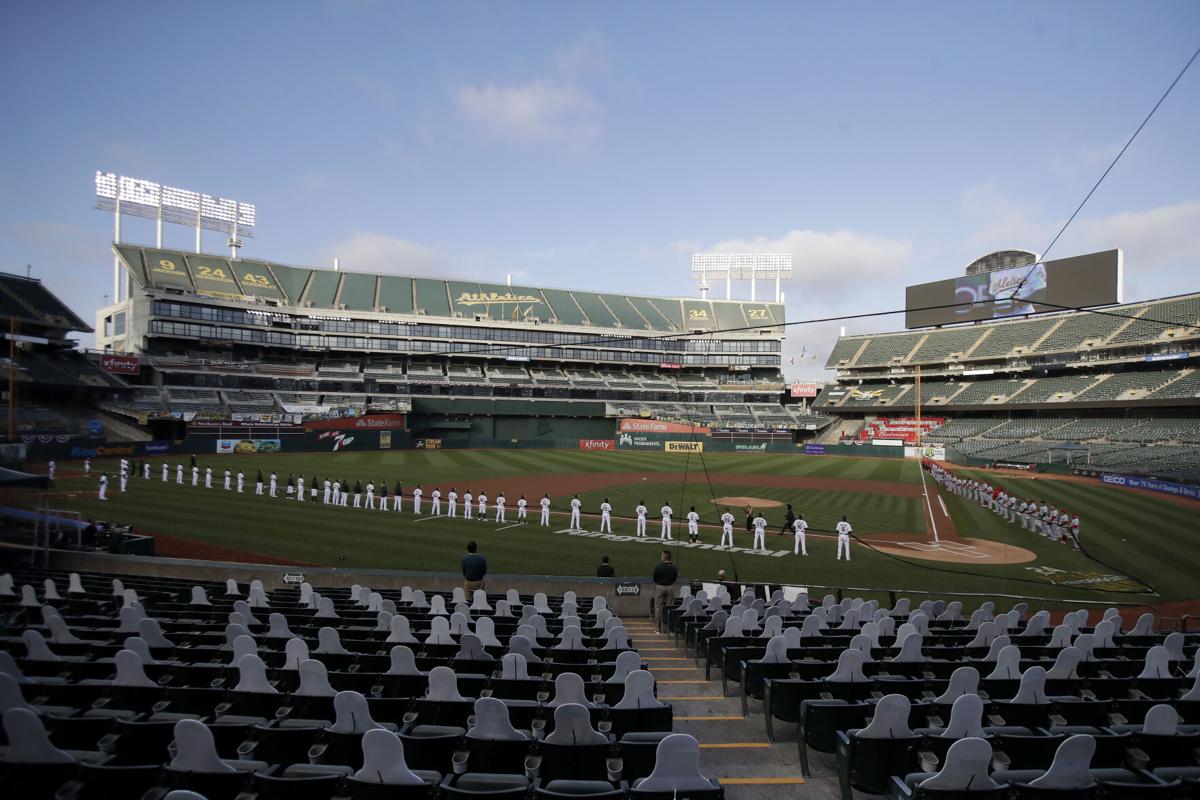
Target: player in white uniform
<point>208,477</point>
<point>179,474</point>
<point>241,481</point>
<point>522,505</point>
<point>545,504</point>
<point>273,485</point>
<point>416,499</point>
<point>327,491</point>
<point>800,526</point>
<point>436,502</point>
<point>1075,529</point>
<point>575,506</point>
<point>500,501</point>
<point>227,479</point>
<point>51,468</point>
<point>606,516</point>
<point>357,494</point>
<point>166,472</point>
<point>468,505</point>
<point>195,476</point>
<point>103,495</point>
<point>641,512</point>
<point>452,503</point>
<point>258,483</point>
<point>87,468</point>
<point>665,533</point>
<point>726,529</point>
<point>300,489</point>
<point>398,497</point>
<point>370,495</point>
<point>693,523</point>
<point>481,499</point>
<point>760,532</point>
<point>843,538</point>
<point>383,496</point>
<point>124,480</point>
<point>337,493</point>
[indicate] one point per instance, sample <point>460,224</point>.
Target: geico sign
<point>684,447</point>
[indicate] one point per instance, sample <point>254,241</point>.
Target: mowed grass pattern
<point>345,537</point>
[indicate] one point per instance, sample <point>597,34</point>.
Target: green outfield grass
<point>1161,546</point>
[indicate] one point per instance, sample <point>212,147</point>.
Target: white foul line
<point>514,525</point>
<point>925,491</point>
<point>942,503</point>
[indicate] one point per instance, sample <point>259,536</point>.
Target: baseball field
<point>909,534</point>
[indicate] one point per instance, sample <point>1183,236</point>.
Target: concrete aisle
<point>734,749</point>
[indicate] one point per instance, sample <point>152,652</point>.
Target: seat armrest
<point>1137,758</point>
<point>995,721</point>
<point>1000,761</point>
<point>927,761</point>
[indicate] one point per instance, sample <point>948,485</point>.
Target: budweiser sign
<point>120,365</point>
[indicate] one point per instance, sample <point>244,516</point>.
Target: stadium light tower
<point>742,267</point>
<point>149,200</point>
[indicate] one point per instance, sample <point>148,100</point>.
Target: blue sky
<point>596,146</point>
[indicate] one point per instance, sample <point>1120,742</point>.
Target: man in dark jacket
<point>474,568</point>
<point>605,570</point>
<point>665,575</point>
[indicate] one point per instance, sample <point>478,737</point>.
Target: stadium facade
<point>1113,390</point>
<point>222,338</point>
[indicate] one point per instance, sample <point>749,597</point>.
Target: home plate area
<point>957,548</point>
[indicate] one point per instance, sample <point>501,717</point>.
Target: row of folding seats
<point>573,761</point>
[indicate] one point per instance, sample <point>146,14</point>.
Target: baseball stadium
<point>444,526</point>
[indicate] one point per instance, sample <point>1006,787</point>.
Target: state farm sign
<point>120,365</point>
<point>597,444</point>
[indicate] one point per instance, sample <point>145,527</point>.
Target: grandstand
<point>50,375</point>
<point>252,339</point>
<point>1117,390</point>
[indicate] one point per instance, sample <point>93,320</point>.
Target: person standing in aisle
<point>664,576</point>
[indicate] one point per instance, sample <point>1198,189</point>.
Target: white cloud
<point>551,108</point>
<point>825,263</point>
<point>1161,244</point>
<point>374,252</point>
<point>537,111</point>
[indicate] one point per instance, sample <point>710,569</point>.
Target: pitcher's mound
<point>742,502</point>
<point>963,551</point>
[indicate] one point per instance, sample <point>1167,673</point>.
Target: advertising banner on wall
<point>428,444</point>
<point>369,422</point>
<point>597,444</point>
<point>385,440</point>
<point>805,389</point>
<point>638,441</point>
<point>1153,484</point>
<point>120,365</point>
<point>684,447</point>
<point>635,425</point>
<point>814,449</point>
<point>227,446</point>
<point>935,451</point>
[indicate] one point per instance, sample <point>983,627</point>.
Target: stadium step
<point>734,749</point>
